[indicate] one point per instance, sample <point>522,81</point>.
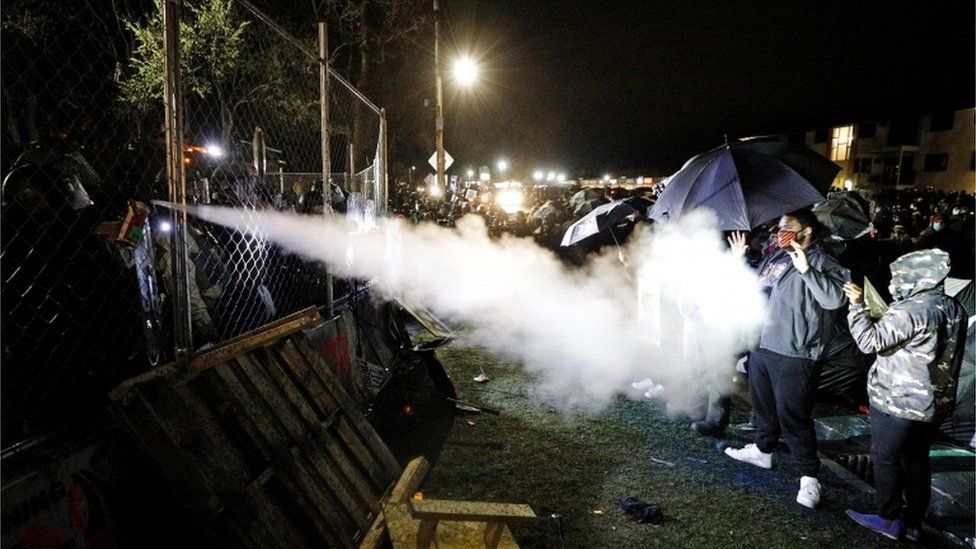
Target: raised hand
<point>854,293</point>
<point>737,242</point>
<point>799,257</point>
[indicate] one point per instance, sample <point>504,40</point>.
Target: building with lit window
<point>936,150</point>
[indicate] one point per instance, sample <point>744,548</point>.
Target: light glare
<point>465,71</point>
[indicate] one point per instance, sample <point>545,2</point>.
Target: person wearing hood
<point>919,341</point>
<point>805,289</point>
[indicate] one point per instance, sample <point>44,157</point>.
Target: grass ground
<point>573,465</point>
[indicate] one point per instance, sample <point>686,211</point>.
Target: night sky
<point>638,87</point>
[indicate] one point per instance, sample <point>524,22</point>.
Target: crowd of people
<point>817,316</point>
<point>819,338</point>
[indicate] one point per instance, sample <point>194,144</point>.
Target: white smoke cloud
<point>579,332</point>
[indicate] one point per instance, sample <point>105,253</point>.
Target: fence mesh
<point>76,298</point>
<point>86,295</point>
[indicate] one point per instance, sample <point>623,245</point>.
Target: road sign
<point>447,160</point>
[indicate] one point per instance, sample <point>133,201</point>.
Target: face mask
<point>937,227</point>
<point>785,238</point>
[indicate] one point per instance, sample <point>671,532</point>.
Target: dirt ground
<point>576,465</point>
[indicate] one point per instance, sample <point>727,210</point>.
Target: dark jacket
<point>919,340</point>
<point>799,316</point>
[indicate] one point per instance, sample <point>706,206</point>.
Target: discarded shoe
<point>708,428</point>
<point>891,529</point>
<point>752,455</point>
<point>642,512</point>
<point>809,494</point>
<point>481,378</point>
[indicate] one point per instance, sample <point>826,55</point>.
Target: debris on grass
<point>697,460</point>
<point>471,423</point>
<point>598,512</point>
<point>641,511</point>
<point>481,378</point>
<point>663,462</point>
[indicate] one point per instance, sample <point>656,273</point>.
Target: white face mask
<point>937,227</point>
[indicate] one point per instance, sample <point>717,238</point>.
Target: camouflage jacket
<point>919,340</point>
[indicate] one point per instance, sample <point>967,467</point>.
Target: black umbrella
<point>847,215</point>
<point>747,183</point>
<point>602,218</point>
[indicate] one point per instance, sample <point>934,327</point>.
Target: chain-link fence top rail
<point>83,151</point>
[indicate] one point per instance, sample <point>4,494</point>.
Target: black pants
<point>900,454</point>
<point>783,390</point>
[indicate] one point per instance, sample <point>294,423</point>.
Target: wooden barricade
<point>260,443</point>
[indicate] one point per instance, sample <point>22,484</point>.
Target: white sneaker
<point>809,494</point>
<point>752,455</point>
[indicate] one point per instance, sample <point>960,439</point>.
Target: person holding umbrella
<point>805,288</point>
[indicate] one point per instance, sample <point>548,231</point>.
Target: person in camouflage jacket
<point>912,384</point>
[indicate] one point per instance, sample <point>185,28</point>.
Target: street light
<point>465,71</point>
<point>537,175</point>
<point>502,165</point>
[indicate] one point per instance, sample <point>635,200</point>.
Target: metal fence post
<point>176,172</point>
<point>326,160</point>
<point>383,183</point>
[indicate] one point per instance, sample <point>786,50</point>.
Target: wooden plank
<point>305,412</point>
<point>320,508</point>
<point>493,533</point>
<point>238,416</point>
<point>411,479</point>
<point>284,529</point>
<point>413,475</point>
<point>377,475</point>
<point>450,535</point>
<point>305,377</point>
<point>263,420</point>
<point>255,338</point>
<point>357,512</point>
<point>400,525</point>
<point>471,511</point>
<point>361,489</point>
<point>274,369</point>
<point>426,532</point>
<point>267,392</point>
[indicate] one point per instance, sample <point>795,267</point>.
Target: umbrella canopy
<point>584,196</point>
<point>545,210</point>
<point>845,214</point>
<point>586,207</point>
<point>602,218</point>
<point>747,183</point>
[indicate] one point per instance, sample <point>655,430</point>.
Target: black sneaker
<point>708,428</point>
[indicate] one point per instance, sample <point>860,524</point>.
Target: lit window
<point>840,143</point>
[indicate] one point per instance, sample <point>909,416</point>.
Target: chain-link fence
<point>87,260</point>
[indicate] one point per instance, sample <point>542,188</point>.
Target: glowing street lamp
<point>465,71</point>
<point>606,178</point>
<point>561,177</point>
<point>551,176</point>
<point>537,175</point>
<point>502,165</point>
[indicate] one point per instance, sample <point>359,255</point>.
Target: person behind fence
<point>912,385</point>
<point>805,286</point>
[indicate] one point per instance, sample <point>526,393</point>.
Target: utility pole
<point>440,98</point>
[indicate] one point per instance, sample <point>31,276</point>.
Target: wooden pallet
<point>260,442</point>
<point>409,522</point>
